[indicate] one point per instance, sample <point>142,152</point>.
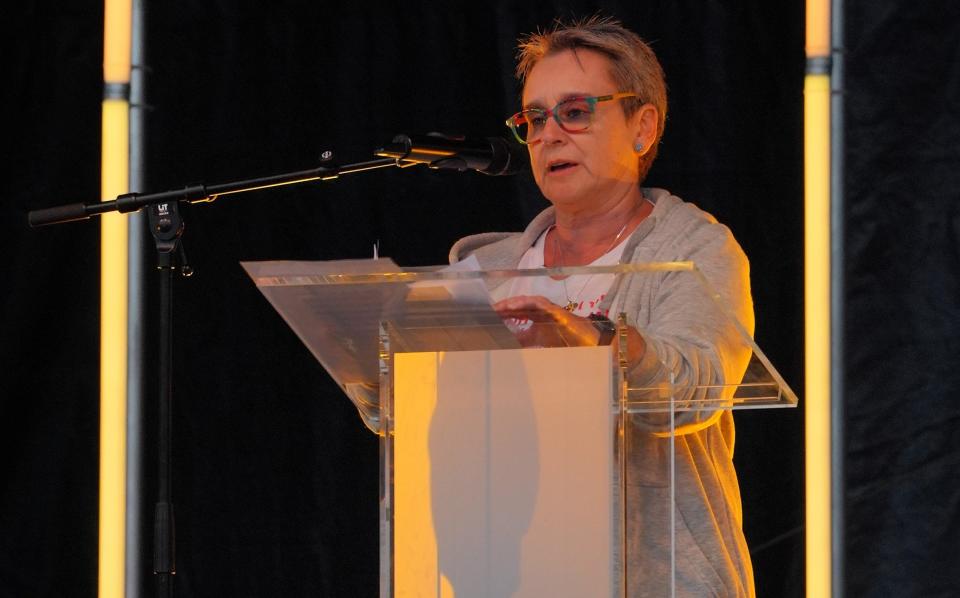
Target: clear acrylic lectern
<point>516,459</point>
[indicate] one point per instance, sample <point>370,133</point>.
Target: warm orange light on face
<point>604,163</point>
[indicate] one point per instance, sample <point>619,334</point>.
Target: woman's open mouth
<point>560,166</point>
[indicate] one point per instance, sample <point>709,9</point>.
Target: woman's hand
<point>538,322</point>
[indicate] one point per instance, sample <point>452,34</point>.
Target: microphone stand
<point>167,228</point>
<point>493,156</point>
<point>166,225</point>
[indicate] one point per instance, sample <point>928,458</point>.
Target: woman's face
<point>580,170</point>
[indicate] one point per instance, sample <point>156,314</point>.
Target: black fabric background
<point>275,477</point>
<point>903,298</point>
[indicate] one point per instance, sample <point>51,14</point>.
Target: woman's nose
<point>552,131</point>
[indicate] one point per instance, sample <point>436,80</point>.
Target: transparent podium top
<point>699,350</point>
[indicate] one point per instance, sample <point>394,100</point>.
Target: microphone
<point>493,155</point>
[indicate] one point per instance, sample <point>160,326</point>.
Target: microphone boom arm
<point>491,156</point>
<point>131,202</point>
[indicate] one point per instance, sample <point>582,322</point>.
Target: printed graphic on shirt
<point>585,292</point>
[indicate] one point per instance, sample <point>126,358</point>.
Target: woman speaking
<point>594,107</point>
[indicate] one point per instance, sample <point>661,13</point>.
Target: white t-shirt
<point>587,290</point>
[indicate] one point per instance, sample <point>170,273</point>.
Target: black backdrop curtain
<point>903,298</point>
<point>275,478</point>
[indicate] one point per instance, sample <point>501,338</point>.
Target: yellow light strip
<point>817,325</point>
<point>117,29</point>
<point>113,305</point>
<point>113,353</point>
<point>818,28</point>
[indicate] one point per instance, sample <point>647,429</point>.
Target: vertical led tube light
<point>113,299</point>
<point>817,300</point>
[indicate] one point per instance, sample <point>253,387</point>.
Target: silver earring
<point>638,147</point>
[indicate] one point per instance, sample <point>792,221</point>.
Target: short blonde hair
<point>633,65</point>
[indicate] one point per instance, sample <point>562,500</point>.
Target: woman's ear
<point>645,121</point>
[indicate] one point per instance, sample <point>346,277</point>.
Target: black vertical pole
<point>164,565</point>
<point>166,227</point>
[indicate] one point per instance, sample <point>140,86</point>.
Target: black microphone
<point>493,155</point>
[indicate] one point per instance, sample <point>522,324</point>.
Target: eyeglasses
<point>573,116</point>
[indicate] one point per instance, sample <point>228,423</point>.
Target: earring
<point>638,147</point>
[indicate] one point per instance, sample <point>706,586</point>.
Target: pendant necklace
<point>572,304</point>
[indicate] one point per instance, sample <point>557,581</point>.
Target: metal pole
<point>837,361</point>
<point>136,310</point>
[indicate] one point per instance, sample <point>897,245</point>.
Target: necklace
<point>572,304</point>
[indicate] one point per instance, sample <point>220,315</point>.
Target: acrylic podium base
<point>501,486</point>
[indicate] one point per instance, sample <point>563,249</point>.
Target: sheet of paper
<point>468,291</point>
